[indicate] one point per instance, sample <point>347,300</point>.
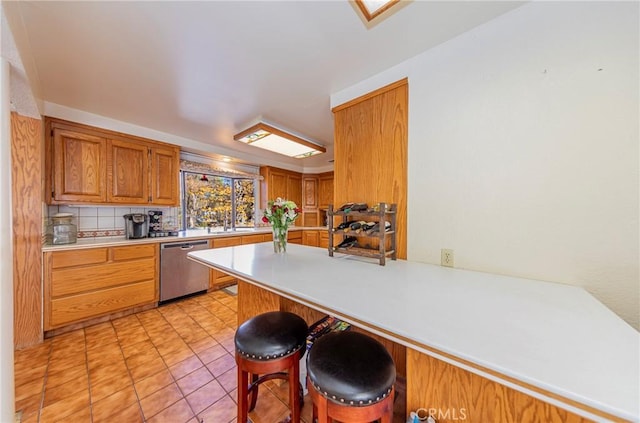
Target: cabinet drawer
<point>294,235</point>
<point>252,239</point>
<point>133,252</point>
<point>267,237</point>
<point>75,280</point>
<point>93,304</point>
<point>226,242</point>
<point>78,257</point>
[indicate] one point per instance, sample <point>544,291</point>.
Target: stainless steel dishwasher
<point>180,276</point>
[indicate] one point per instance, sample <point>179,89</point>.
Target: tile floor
<point>172,364</point>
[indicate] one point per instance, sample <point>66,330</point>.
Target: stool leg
<point>294,392</point>
<point>243,385</point>
<point>323,410</point>
<point>254,392</point>
<point>387,417</point>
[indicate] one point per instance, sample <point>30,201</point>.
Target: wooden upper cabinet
<point>128,172</point>
<point>325,190</point>
<point>294,189</point>
<point>91,165</point>
<point>280,183</point>
<point>277,186</point>
<point>309,192</point>
<point>165,168</point>
<point>79,167</point>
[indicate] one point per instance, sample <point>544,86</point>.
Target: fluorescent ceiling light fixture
<point>276,140</point>
<point>372,8</point>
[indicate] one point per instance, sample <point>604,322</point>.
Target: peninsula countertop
<point>554,337</point>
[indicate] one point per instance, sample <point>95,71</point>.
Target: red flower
<point>264,219</point>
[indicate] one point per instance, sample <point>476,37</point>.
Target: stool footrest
<point>270,376</point>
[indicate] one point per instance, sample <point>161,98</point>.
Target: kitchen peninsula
<point>501,348</point>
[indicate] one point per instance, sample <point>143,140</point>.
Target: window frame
<point>232,226</point>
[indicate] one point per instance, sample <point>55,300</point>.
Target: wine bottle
<point>342,226</point>
<point>367,226</point>
<point>348,242</point>
<point>355,226</point>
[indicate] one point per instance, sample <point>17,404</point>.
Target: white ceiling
<point>205,70</point>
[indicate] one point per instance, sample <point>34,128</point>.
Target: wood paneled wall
<point>370,148</point>
<point>26,173</point>
<point>456,394</point>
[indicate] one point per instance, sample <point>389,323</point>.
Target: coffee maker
<point>136,225</point>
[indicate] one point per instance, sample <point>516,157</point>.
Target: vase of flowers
<point>280,214</point>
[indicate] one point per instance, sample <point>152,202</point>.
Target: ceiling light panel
<point>273,139</point>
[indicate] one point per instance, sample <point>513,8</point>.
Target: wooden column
<point>371,140</point>
<point>26,174</point>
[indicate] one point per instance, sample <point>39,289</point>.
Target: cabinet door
<point>127,172</point>
<point>309,193</point>
<point>325,191</point>
<point>165,168</point>
<point>294,189</point>
<point>218,279</point>
<point>79,171</point>
<point>311,238</point>
<point>277,186</point>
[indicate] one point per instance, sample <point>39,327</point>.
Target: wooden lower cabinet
<point>218,279</point>
<point>253,239</point>
<point>294,237</point>
<point>311,238</point>
<point>323,241</point>
<point>83,284</point>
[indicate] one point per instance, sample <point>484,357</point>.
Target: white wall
<point>523,148</point>
<point>6,253</point>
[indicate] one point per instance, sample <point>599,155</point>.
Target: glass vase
<point>280,239</point>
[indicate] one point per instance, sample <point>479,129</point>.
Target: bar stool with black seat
<point>269,346</point>
<point>350,378</point>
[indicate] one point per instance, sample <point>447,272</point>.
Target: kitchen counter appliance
<point>180,276</point>
<point>136,225</point>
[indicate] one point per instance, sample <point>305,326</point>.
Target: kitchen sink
<point>217,232</point>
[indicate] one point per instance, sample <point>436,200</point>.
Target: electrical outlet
<point>446,257</point>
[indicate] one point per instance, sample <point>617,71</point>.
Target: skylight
<point>372,8</point>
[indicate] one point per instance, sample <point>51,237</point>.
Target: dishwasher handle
<point>184,245</point>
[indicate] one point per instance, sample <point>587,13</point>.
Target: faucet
<point>224,222</point>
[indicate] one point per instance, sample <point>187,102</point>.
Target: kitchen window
<point>217,202</point>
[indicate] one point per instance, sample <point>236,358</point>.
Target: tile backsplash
<point>97,221</point>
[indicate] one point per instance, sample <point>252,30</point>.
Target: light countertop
<point>189,235</point>
<point>554,337</point>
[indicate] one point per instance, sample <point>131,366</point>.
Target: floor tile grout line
<point>199,311</point>
<point>86,363</point>
<point>44,382</point>
<point>169,370</point>
<point>204,364</point>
